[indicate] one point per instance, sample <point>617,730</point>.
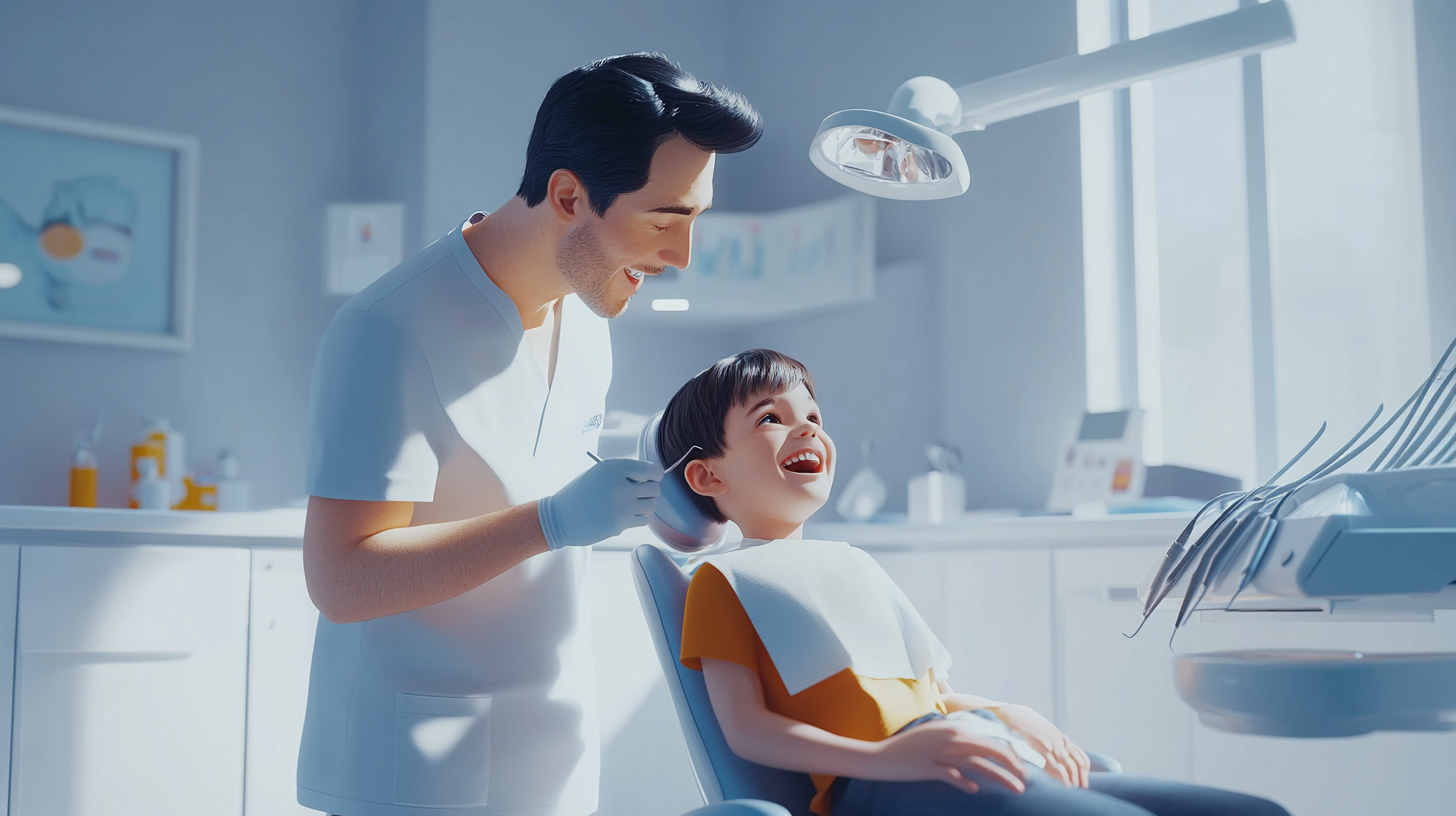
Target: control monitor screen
<point>1110,425</point>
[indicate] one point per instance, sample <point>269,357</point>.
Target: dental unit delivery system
<point>1378,542</point>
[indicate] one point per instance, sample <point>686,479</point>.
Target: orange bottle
<point>83,476</point>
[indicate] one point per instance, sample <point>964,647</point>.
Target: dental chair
<point>722,776</point>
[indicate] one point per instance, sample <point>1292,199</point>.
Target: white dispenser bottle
<point>153,492</point>
<point>232,492</point>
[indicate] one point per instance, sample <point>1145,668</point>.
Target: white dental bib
<point>821,607</point>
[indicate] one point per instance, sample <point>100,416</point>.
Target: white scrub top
<point>425,391</point>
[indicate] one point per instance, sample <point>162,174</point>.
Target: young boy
<point>891,745</point>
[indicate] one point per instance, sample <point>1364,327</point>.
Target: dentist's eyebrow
<point>679,209</point>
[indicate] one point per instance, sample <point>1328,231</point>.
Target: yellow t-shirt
<point>716,626</point>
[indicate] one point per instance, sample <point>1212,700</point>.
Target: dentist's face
<point>605,259</point>
<point>777,467</point>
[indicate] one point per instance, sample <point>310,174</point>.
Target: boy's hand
<point>1065,761</point>
<point>943,750</point>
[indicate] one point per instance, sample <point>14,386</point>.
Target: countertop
<point>116,527</point>
<point>284,528</point>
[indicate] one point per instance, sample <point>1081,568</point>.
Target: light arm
<point>762,736</point>
<point>934,751</point>
<point>1249,30</point>
<point>362,560</point>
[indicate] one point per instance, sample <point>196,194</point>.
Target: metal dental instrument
<point>680,460</point>
<point>1247,524</point>
<point>683,458</point>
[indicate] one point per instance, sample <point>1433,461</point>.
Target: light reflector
<point>879,155</point>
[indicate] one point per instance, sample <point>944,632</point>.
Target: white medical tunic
<point>425,391</point>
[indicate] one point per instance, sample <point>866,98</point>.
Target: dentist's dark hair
<point>695,414</point>
<point>605,120</point>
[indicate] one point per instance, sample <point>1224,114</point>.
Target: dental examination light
<point>908,153</point>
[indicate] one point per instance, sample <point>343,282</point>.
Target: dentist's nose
<point>679,252</point>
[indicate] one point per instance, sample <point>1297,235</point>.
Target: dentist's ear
<point>702,479</point>
<point>567,196</point>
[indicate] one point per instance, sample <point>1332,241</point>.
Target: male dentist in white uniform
<point>452,501</point>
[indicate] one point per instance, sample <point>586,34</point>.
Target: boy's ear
<point>703,480</point>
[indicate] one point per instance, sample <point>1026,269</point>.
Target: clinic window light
<point>669,304</point>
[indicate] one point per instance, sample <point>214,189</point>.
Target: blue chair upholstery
<point>722,776</point>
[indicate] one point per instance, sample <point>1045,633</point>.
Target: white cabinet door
<point>131,666</point>
<point>645,765</point>
<point>992,610</point>
<point>998,625</point>
<point>9,597</point>
<point>1115,694</point>
<point>280,650</point>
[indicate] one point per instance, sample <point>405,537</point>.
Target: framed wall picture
<point>97,232</point>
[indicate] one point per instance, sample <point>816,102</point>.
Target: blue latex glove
<point>614,495</point>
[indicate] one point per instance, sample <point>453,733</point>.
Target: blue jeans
<point>1109,795</point>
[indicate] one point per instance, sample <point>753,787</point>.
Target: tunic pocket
<point>441,750</point>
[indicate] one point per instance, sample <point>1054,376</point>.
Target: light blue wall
<point>298,105</point>
<point>489,66</point>
<point>1004,373</point>
<point>1436,73</point>
<point>388,99</point>
<point>271,90</point>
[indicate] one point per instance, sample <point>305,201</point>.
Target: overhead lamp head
<point>909,156</point>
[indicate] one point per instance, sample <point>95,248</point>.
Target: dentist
<point>452,502</point>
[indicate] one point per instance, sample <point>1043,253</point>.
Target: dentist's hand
<point>610,497</point>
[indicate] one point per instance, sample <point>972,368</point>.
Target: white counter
<point>116,527</point>
<point>284,528</point>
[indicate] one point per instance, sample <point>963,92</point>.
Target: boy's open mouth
<point>805,461</point>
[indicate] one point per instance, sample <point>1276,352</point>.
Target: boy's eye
<point>768,418</point>
<point>814,418</point>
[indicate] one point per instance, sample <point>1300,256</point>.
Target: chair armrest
<point>1103,762</point>
<point>741,807</point>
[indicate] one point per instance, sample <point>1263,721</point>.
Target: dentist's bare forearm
<point>362,560</point>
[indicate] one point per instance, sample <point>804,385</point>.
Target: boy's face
<point>777,465</point>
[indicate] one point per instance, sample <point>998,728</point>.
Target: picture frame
<point>98,227</point>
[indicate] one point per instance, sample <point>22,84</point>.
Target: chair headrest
<point>677,521</point>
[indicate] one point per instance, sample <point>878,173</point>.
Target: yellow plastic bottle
<point>165,444</point>
<point>83,476</point>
